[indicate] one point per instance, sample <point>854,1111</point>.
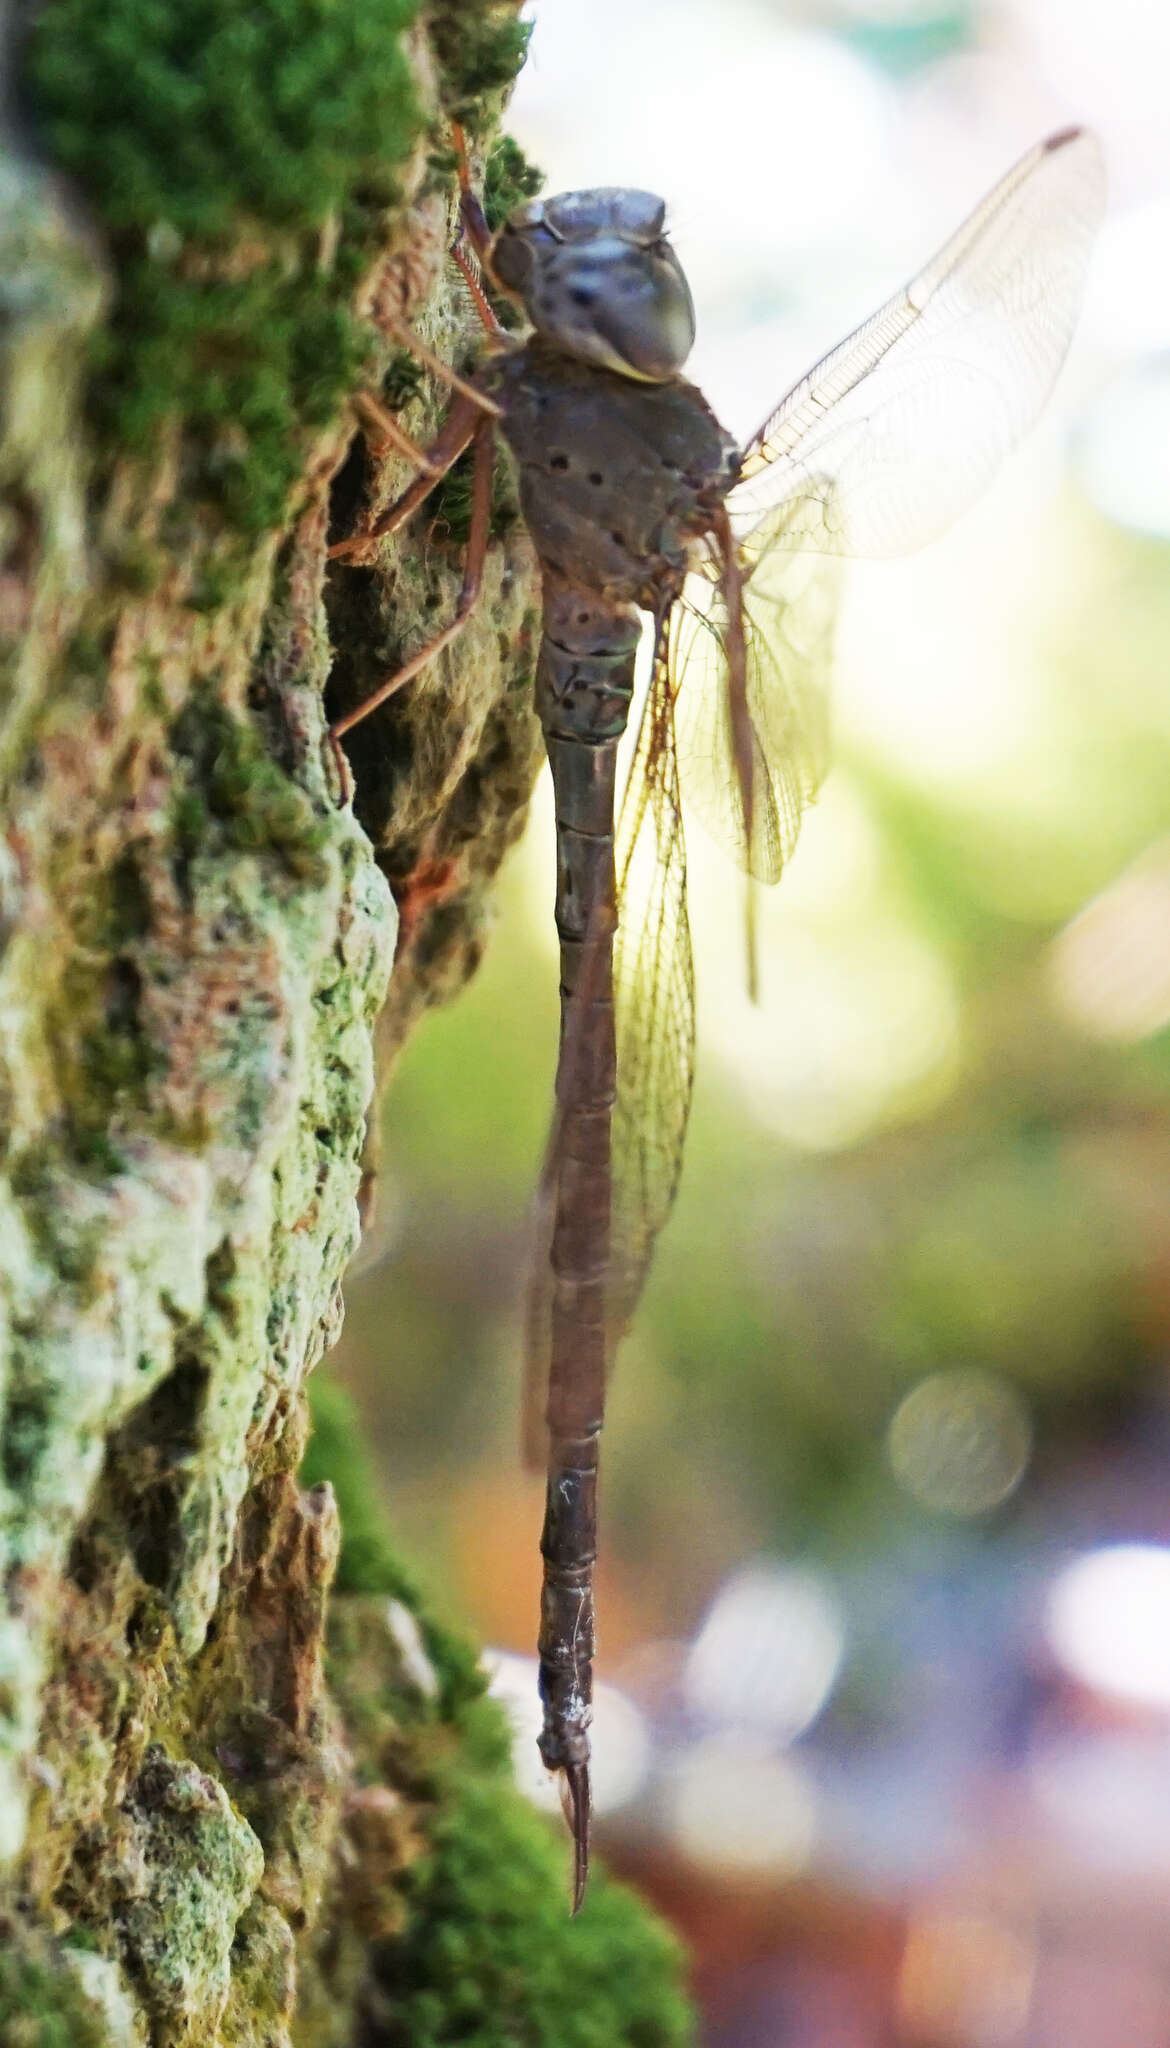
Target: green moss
<point>263,1987</point>
<point>336,1453</point>
<point>115,910</point>
<point>369,1564</point>
<point>213,142</point>
<point>491,1956</point>
<point>404,380</point>
<point>195,113</point>
<point>28,1428</point>
<point>234,795</point>
<point>479,48</point>
<point>87,658</point>
<point>201,1864</point>
<point>103,1058</point>
<point>450,504</point>
<point>69,1245</point>
<point>245,363</point>
<point>42,2004</point>
<point>509,179</point>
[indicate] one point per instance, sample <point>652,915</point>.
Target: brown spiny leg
<point>457,430</point>
<point>474,228</point>
<point>471,213</point>
<point>478,300</point>
<point>396,326</point>
<point>481,509</point>
<point>382,431</point>
<point>471,404</point>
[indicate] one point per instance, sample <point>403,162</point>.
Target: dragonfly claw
<point>579,1807</point>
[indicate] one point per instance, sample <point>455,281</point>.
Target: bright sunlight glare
<point>1108,1621</point>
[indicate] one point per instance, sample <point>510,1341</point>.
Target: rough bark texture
<point>196,941</point>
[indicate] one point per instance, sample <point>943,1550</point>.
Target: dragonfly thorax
<point>598,278</point>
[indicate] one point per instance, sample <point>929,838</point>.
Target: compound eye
<point>649,319</point>
<point>512,260</point>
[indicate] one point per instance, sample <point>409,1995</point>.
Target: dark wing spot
<point>558,462</point>
<point>583,297</point>
<point>596,478</point>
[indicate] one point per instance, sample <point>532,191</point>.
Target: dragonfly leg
<point>481,508</point>
<point>395,325</point>
<point>471,213</point>
<point>474,229</point>
<point>487,317</point>
<point>382,431</point>
<point>458,430</point>
<point>580,1806</point>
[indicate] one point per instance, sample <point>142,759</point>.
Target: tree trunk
<point>207,216</point>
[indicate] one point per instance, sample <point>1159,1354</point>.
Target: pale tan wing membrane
<point>789,604</point>
<point>654,994</point>
<point>897,430</point>
<point>874,452</point>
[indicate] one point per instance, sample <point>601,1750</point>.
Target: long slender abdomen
<point>584,686</point>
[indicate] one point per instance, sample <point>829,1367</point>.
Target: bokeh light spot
<point>965,1978</point>
<point>767,1654</point>
<point>734,1806</point>
<point>959,1442</point>
<point>1108,1622</point>
<point>1123,454</point>
<point>1111,963</point>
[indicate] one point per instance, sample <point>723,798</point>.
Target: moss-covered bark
<point>210,1835</point>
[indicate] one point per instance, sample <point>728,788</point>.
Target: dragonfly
<point>646,516</point>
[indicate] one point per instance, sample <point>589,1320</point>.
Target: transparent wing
<point>897,430</point>
<point>874,452</point>
<point>789,610</point>
<point>654,994</point>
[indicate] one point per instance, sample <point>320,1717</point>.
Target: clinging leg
<point>440,369</point>
<point>473,226</point>
<point>382,431</point>
<point>474,220</point>
<point>481,508</point>
<point>457,431</point>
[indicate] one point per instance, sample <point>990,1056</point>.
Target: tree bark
<point>197,937</point>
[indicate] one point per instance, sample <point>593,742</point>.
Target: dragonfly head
<point>598,278</point>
